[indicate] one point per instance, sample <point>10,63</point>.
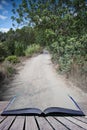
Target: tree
<point>60,24</point>
<point>2,37</point>
<point>10,41</point>
<point>37,12</point>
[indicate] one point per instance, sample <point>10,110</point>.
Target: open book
<point>36,105</point>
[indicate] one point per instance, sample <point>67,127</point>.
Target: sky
<point>5,14</point>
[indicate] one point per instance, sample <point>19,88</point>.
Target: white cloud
<point>4,2</point>
<point>3,17</point>
<point>4,29</point>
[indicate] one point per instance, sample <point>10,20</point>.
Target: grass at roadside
<point>33,49</point>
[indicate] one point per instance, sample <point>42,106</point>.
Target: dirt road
<point>38,74</point>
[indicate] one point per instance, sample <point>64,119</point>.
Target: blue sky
<point>5,14</point>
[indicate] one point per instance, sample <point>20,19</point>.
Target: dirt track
<point>36,75</point>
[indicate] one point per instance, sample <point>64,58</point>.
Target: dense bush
<point>34,48</point>
<point>3,51</point>
<point>12,59</point>
<point>19,49</point>
<point>69,51</point>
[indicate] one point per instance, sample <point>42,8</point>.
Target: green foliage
<point>49,36</point>
<point>69,51</point>
<point>2,37</point>
<point>32,49</point>
<point>12,59</point>
<point>65,63</point>
<point>25,36</point>
<point>3,51</point>
<point>15,42</point>
<point>40,37</point>
<point>19,49</point>
<point>10,70</point>
<point>10,42</point>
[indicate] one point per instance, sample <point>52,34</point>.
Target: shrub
<point>12,59</point>
<point>3,51</point>
<point>19,49</point>
<point>32,49</point>
<point>65,63</point>
<point>10,70</point>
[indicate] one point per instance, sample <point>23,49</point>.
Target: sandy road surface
<point>36,76</point>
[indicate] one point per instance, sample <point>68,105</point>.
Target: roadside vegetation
<point>33,49</point>
<point>16,44</point>
<point>60,26</point>
<point>12,59</point>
